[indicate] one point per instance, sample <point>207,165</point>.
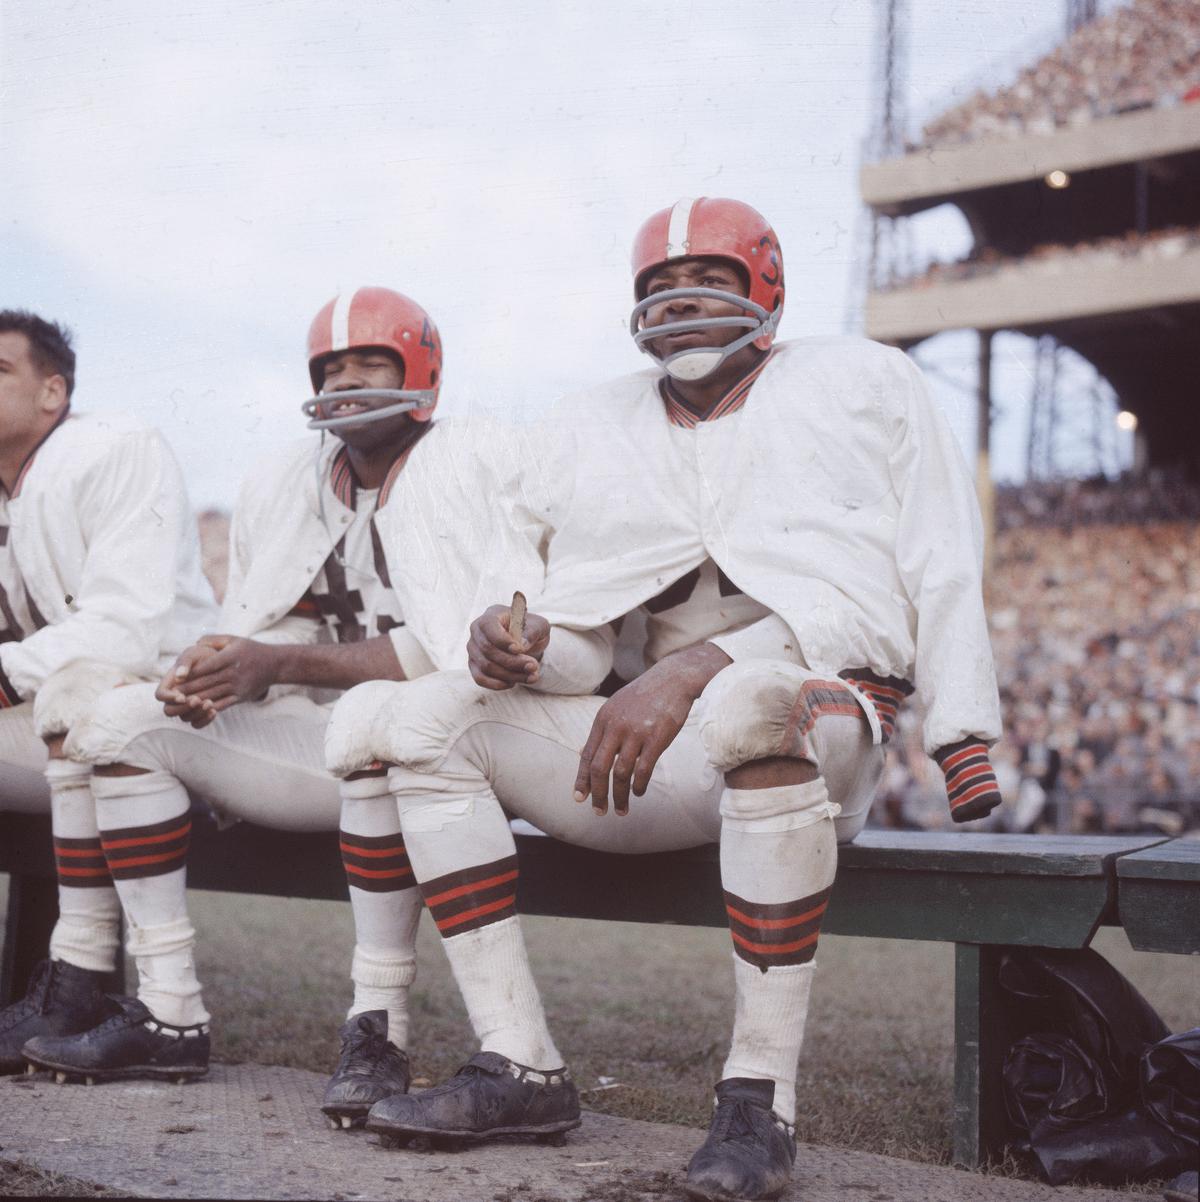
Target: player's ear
<point>53,394</point>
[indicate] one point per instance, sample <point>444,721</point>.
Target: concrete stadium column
<point>983,462</point>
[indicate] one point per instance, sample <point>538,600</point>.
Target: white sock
<point>166,964</point>
<point>778,862</point>
<point>88,931</point>
<point>144,818</point>
<point>386,903</point>
<point>463,854</point>
<point>492,970</point>
<point>382,982</point>
<point>769,1018</point>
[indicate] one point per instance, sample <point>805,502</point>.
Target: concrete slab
<point>250,1131</point>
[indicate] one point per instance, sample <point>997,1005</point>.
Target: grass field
<point>646,1008</point>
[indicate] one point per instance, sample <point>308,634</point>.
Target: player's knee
<point>66,697</point>
<point>748,714</point>
<point>410,723</point>
<point>105,733</point>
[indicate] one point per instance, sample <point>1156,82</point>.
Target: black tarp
<point>1100,1089</point>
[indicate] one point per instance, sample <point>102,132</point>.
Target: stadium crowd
<point>1155,246</point>
<point>1095,616</point>
<point>1142,55</point>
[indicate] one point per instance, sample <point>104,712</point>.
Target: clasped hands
<point>216,672</point>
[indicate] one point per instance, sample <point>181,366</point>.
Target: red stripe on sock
<point>777,924</point>
<point>378,874</point>
<point>373,852</point>
<point>775,949</point>
<point>117,844</point>
<point>473,887</point>
<point>138,861</point>
<point>445,924</point>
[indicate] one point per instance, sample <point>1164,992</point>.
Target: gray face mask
<point>694,363</point>
<point>322,415</point>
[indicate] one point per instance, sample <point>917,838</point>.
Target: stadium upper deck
<point>1096,144</point>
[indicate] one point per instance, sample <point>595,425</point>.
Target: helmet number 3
<point>775,275</point>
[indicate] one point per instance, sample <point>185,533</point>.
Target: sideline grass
<point>645,1007</point>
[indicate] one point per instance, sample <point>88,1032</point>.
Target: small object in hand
<point>516,617</point>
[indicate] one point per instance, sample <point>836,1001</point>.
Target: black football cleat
<point>369,1069</point>
<point>749,1151</point>
<point>62,1000</point>
<point>133,1043</point>
<point>489,1096</point>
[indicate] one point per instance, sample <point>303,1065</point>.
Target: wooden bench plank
<point>891,884</point>
<point>1158,897</point>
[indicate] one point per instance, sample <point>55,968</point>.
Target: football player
<point>352,557</point>
<point>93,593</point>
<point>802,521</point>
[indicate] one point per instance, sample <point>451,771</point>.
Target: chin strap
<point>694,363</point>
<point>317,409</point>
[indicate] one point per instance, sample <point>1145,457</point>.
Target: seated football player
<point>356,553</point>
<point>92,594</point>
<point>801,518</point>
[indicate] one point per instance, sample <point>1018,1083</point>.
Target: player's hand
<point>177,704</point>
<point>220,671</point>
<point>497,660</point>
<point>639,722</point>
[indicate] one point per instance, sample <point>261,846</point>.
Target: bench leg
<point>28,924</point>
<point>983,1032</point>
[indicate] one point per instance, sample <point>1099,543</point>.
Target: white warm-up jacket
<point>836,496</point>
<point>106,547</point>
<point>454,523</point>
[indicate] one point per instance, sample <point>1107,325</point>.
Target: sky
<point>186,184</point>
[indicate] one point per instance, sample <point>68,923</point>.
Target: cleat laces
<point>364,1050</point>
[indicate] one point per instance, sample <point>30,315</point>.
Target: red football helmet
<point>717,228</point>
<point>380,317</point>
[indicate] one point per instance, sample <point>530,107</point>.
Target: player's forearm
<point>337,665</point>
<point>694,666</point>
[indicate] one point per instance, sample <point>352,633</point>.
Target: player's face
<point>351,371</point>
<point>24,389</point>
<point>347,371</point>
<point>718,274</point>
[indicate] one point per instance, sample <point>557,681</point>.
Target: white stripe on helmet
<point>339,338</point>
<point>677,228</point>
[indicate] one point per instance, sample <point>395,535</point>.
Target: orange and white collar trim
<point>345,483</point>
<point>679,413</point>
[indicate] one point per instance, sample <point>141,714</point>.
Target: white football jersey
<point>701,604</point>
<point>353,592</point>
<point>16,620</point>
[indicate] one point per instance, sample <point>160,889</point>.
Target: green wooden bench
<point>981,892</point>
<point>1158,897</point>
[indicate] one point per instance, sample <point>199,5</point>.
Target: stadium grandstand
<point>1080,183</point>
